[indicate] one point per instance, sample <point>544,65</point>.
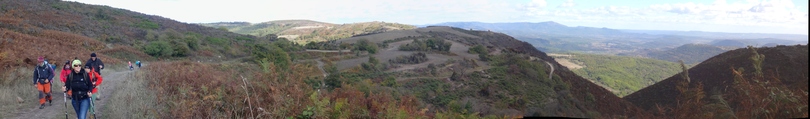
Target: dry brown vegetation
<point>761,83</point>
<point>236,90</point>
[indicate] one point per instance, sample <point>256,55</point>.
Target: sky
<point>736,16</point>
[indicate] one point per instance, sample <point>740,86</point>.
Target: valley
<point>312,69</point>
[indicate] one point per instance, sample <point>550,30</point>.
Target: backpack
<point>39,72</point>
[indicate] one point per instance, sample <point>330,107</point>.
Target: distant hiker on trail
<point>95,78</point>
<point>130,65</point>
<point>138,63</point>
<point>95,63</point>
<point>78,82</point>
<point>43,75</point>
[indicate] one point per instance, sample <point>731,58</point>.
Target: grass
<point>133,99</point>
<point>16,84</point>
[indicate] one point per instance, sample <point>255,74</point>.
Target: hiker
<point>138,63</point>
<point>53,74</point>
<point>95,63</point>
<point>78,82</point>
<point>130,65</point>
<point>95,79</point>
<point>43,76</point>
<point>64,73</point>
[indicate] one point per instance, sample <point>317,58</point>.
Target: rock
<point>20,100</point>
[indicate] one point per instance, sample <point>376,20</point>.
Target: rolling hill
<point>305,31</point>
<point>776,88</point>
<point>488,85</point>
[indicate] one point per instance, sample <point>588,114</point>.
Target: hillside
<point>62,30</point>
<point>689,53</point>
<point>621,74</point>
<point>487,83</point>
<point>194,67</point>
<point>777,88</point>
<point>305,31</point>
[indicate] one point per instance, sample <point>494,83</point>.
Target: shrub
<point>478,49</point>
<point>181,50</point>
<point>265,54</point>
<point>146,24</point>
<point>414,58</point>
<point>216,41</point>
<point>365,45</point>
<point>426,45</point>
<point>159,49</point>
<point>192,43</point>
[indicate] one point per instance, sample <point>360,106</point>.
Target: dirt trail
<point>57,110</point>
<point>320,66</point>
<point>550,73</point>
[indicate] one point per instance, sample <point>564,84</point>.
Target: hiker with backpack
<point>43,76</point>
<point>95,79</point>
<point>138,63</point>
<point>78,83</point>
<point>130,65</point>
<point>66,69</point>
<point>95,63</point>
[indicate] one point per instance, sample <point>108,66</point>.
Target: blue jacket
<point>43,72</point>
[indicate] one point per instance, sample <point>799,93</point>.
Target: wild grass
<point>133,99</point>
<point>16,83</point>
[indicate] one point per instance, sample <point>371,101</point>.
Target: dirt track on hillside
<point>57,110</point>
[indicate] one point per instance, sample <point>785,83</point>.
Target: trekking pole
<point>93,106</point>
<point>64,97</point>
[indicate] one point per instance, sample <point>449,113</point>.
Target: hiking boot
<point>41,106</point>
<point>50,102</point>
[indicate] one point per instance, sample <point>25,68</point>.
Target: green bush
<point>159,49</point>
<point>365,45</point>
<point>146,24</point>
<point>216,41</point>
<point>426,45</point>
<point>478,49</point>
<point>181,50</point>
<point>264,54</point>
<point>390,81</point>
<point>192,43</point>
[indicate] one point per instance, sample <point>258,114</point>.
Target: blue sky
<point>740,16</point>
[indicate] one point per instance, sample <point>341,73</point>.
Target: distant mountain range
<point>554,37</point>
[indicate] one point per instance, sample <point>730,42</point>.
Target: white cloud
<point>567,3</point>
<point>537,4</point>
